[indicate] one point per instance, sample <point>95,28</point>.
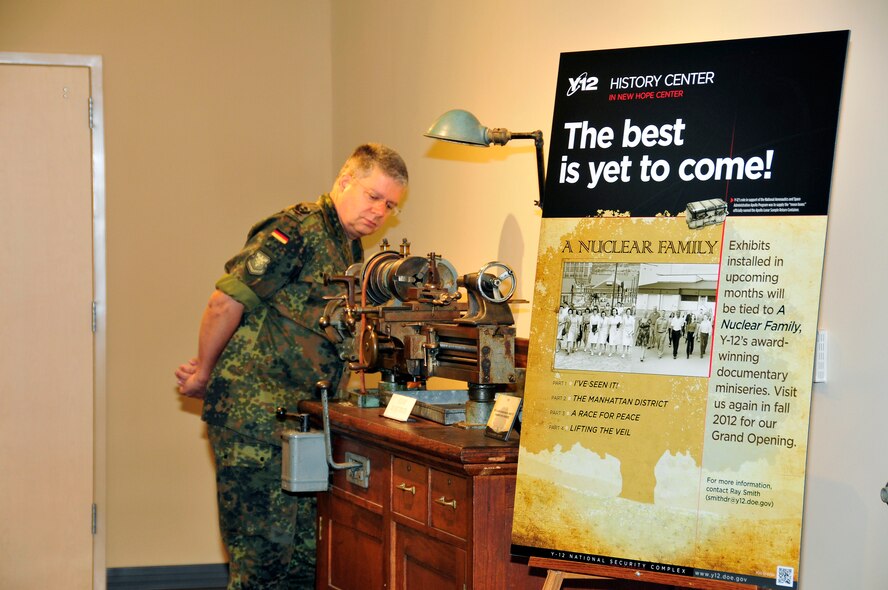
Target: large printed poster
<point>675,308</point>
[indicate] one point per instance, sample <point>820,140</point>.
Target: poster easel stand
<point>560,570</point>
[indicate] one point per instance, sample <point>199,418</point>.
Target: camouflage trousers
<point>270,534</point>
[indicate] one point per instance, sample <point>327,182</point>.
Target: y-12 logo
<point>582,82</point>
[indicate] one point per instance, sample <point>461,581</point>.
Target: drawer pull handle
<point>403,487</point>
<point>443,502</point>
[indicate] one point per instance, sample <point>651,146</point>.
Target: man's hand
<point>220,319</point>
<point>189,382</point>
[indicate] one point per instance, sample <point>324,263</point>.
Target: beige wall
<point>203,107</point>
<point>214,116</point>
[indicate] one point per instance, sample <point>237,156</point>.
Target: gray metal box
<point>304,461</point>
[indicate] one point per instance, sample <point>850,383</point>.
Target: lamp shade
<point>459,126</point>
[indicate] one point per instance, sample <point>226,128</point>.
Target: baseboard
<point>212,576</point>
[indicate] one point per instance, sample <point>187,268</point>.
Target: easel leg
<point>555,578</point>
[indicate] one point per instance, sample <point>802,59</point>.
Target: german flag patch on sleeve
<point>280,236</point>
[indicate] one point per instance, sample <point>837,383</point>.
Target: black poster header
<point>647,130</point>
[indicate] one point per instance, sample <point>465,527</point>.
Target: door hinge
<point>91,112</point>
<point>95,314</point>
<point>94,518</point>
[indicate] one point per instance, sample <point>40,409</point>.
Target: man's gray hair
<point>370,155</point>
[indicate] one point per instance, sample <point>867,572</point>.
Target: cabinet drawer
<point>410,489</point>
<point>450,506</point>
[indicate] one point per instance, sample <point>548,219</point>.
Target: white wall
<point>399,64</point>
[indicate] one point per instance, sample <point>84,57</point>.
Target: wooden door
<point>46,334</point>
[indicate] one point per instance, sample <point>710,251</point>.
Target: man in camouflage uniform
<point>260,347</point>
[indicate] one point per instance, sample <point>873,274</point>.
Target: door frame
<point>94,63</point>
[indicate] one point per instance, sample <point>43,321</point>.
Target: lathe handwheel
<point>486,283</point>
<point>369,346</point>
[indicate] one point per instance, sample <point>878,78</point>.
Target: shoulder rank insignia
<point>258,263</point>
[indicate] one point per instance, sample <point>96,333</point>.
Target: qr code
<point>784,576</point>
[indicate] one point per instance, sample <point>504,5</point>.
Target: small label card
<point>502,418</point>
<point>399,407</point>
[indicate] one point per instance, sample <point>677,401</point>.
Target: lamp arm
<point>537,137</point>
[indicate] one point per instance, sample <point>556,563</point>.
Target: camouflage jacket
<point>279,351</point>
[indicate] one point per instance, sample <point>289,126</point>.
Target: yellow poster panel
<point>667,394</point>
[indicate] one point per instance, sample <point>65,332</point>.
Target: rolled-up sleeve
<point>271,257</point>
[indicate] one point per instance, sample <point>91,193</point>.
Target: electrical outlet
<point>820,356</point>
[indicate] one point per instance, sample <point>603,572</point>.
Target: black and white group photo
<point>636,318</point>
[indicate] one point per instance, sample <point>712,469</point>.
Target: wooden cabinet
<point>436,512</point>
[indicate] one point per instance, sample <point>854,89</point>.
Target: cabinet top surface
<point>452,443</point>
